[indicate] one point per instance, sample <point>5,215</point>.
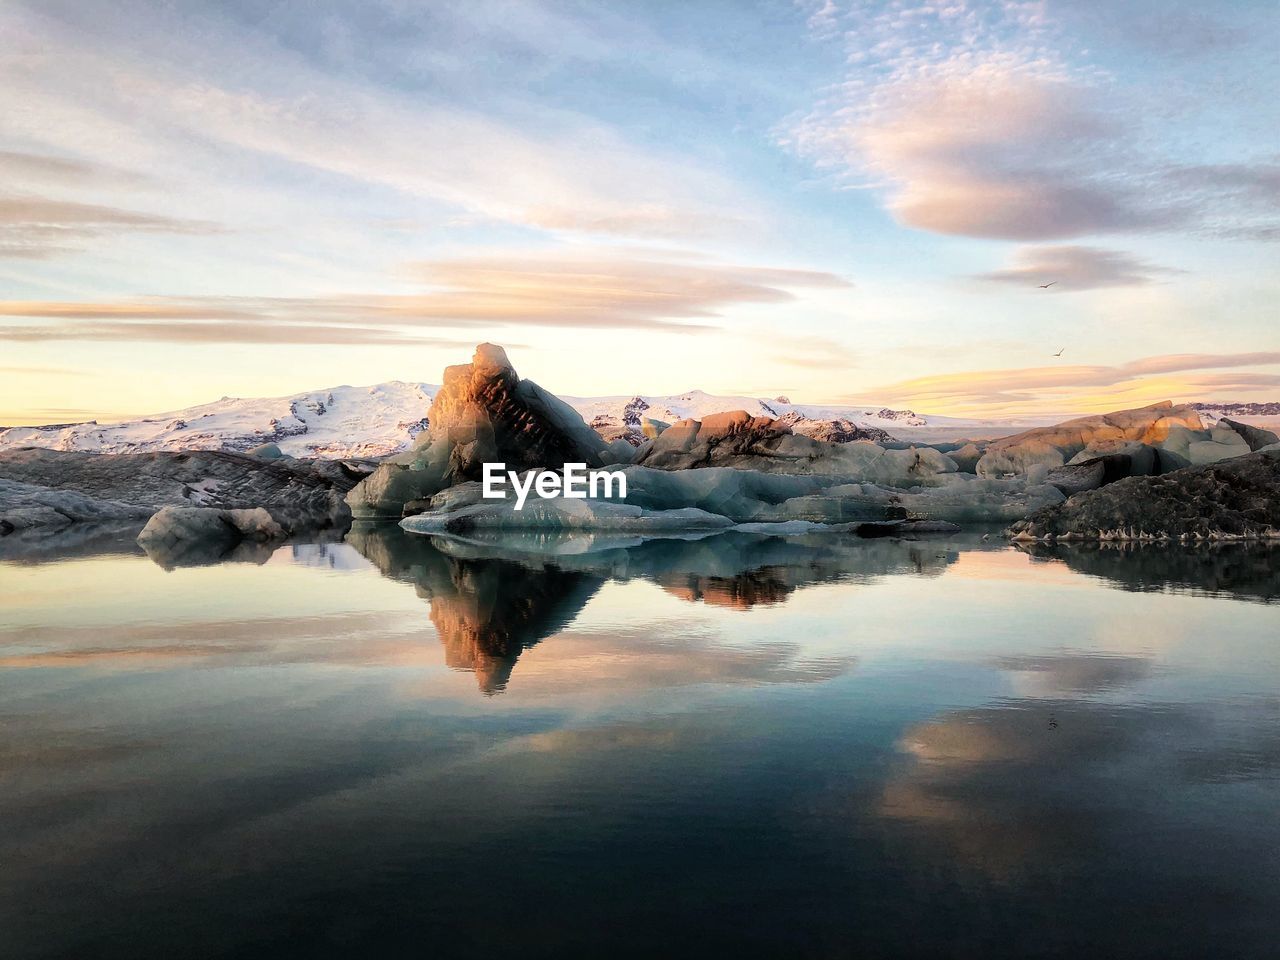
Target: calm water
<point>734,746</point>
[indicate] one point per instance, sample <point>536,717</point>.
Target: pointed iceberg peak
<point>490,360</point>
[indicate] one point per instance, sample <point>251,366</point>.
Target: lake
<point>730,746</point>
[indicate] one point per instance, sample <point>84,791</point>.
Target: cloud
<point>818,353</point>
<point>971,123</point>
<point>44,371</point>
<point>588,290</point>
<point>38,227</point>
<point>1081,387</point>
<point>18,165</point>
<point>225,332</point>
<point>1164,28</point>
<point>995,150</point>
<point>1001,153</point>
<point>1076,268</point>
<point>223,98</point>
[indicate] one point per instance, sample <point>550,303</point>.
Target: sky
<point>836,201</point>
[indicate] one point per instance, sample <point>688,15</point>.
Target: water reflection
<point>1015,784</point>
<point>490,601</point>
<point>38,545</point>
<point>1243,570</point>
<point>740,745</point>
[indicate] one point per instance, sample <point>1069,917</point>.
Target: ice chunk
<point>174,524</point>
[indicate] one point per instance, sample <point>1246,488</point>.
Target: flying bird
<point>1059,353</point>
<point>1046,286</point>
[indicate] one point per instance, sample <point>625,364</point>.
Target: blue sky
<point>837,201</point>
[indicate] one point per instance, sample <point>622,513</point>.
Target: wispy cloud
<point>1182,376</point>
<point>255,332</point>
<point>44,371</point>
<point>1076,268</point>
<point>228,96</point>
<point>817,353</point>
<point>34,227</point>
<point>44,168</point>
<point>561,289</point>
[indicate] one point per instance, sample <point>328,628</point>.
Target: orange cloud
<point>1078,387</point>
<point>593,290</point>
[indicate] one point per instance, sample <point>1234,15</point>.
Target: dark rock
<point>1230,500</point>
<point>1075,478</point>
<point>1097,472</point>
<point>300,494</point>
<point>878,528</point>
<point>903,528</point>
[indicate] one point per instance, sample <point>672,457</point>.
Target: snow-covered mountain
<point>620,416</point>
<point>1240,409</point>
<point>383,419</point>
<point>339,422</point>
<point>1258,414</point>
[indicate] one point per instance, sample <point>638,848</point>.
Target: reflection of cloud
<point>1066,674</point>
<point>1062,781</point>
<point>356,639</point>
<point>564,289</point>
<point>633,660</point>
<point>1075,268</point>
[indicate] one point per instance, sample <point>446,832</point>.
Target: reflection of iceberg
<point>1243,570</point>
<point>203,553</point>
<point>487,611</point>
<point>799,560</point>
<point>42,545</point>
<point>490,611</point>
<point>492,598</point>
<point>744,590</point>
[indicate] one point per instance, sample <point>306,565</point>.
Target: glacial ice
<point>25,506</point>
<point>737,439</point>
<point>171,525</point>
<point>1054,446</point>
<point>719,497</point>
<point>483,413</point>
